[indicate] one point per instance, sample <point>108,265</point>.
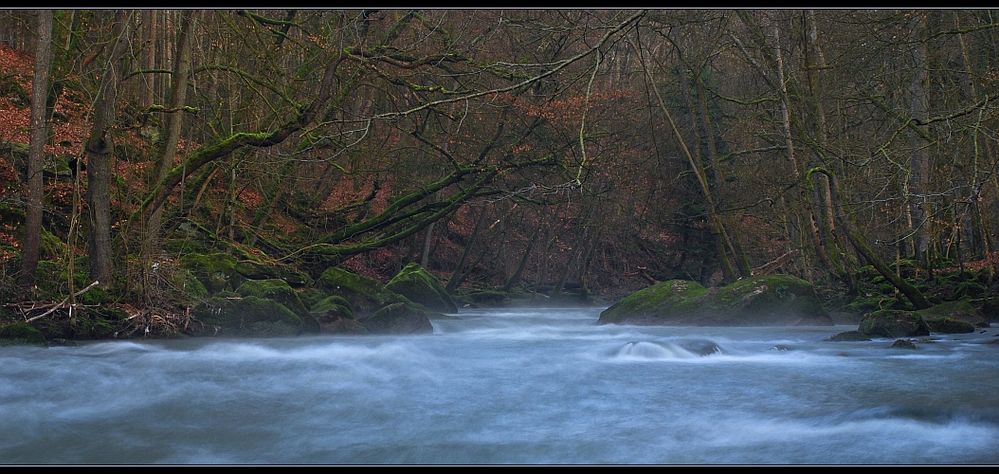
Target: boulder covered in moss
<point>419,286</point>
<point>769,300</point>
<point>247,316</point>
<point>335,303</point>
<point>949,326</point>
<point>399,318</point>
<point>364,294</point>
<point>280,291</point>
<point>849,336</point>
<point>20,333</point>
<point>893,323</point>
<point>216,271</point>
<point>961,310</point>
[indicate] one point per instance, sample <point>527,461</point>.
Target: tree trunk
<point>178,99</point>
<point>148,89</point>
<point>36,151</point>
<point>919,161</point>
<point>726,251</point>
<point>98,148</point>
<point>455,275</point>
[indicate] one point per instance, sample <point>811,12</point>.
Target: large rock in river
<point>893,323</point>
<point>420,286</point>
<point>378,309</point>
<point>769,300</point>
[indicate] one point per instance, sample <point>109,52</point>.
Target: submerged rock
<point>851,336</point>
<point>419,286</point>
<point>893,323</point>
<point>769,300</point>
<point>902,344</point>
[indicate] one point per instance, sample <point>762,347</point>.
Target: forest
<point>277,172</point>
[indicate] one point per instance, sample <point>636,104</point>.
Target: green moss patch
<point>769,300</point>
<point>418,285</point>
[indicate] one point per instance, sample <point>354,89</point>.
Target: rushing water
<point>507,386</point>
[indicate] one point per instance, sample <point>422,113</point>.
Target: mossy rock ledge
<point>769,300</point>
<point>945,313</point>
<point>248,316</point>
<point>376,308</point>
<point>280,291</point>
<point>893,323</point>
<point>419,286</point>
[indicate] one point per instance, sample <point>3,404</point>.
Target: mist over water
<point>507,386</point>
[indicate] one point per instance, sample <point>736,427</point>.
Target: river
<point>520,386</point>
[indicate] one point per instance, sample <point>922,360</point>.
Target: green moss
<point>662,300</point>
<point>961,310</point>
<point>893,323</point>
<point>866,304</point>
<point>850,336</point>
<point>51,247</point>
<point>418,285</point>
<point>334,303</point>
<point>216,271</point>
<point>950,326</point>
<point>185,280</point>
<point>398,318</point>
<point>20,333</point>
<point>258,271</point>
<point>280,291</point>
<point>364,294</point>
<point>763,300</point>
<point>310,296</point>
<point>248,316</point>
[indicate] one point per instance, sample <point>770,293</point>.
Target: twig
<point>63,302</point>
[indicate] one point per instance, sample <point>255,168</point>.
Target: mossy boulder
<point>419,286</point>
<point>335,316</point>
<point>893,323</point>
<point>949,326</point>
<point>364,294</point>
<point>247,316</point>
<point>185,281</point>
<point>21,333</point>
<point>961,310</point>
<point>280,291</point>
<point>399,318</point>
<point>849,336</point>
<point>335,303</point>
<point>216,271</point>
<point>769,300</point>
